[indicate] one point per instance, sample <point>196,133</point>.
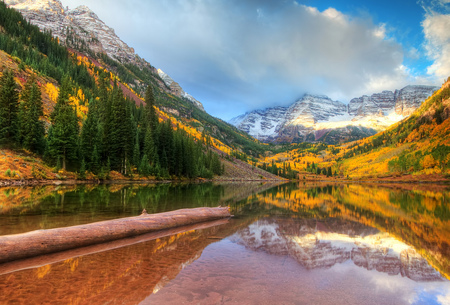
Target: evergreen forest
<point>115,135</point>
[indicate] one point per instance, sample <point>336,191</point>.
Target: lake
<point>293,243</point>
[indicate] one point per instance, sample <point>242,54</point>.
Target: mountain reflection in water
<point>324,243</point>
<point>288,244</point>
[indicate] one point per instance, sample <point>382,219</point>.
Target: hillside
<point>415,149</point>
<point>82,31</point>
<point>98,83</point>
<point>419,145</point>
<point>80,116</point>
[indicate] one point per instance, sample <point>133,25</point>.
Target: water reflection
<point>419,217</point>
<point>325,243</point>
<point>290,244</point>
<point>27,208</point>
<point>124,275</point>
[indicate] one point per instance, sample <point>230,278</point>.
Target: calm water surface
<point>287,244</point>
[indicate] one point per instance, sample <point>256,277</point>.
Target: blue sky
<point>238,55</point>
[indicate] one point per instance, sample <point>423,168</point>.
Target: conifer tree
<point>90,136</point>
<point>32,128</point>
<point>9,108</point>
<point>150,117</point>
<point>149,147</point>
<point>329,173</point>
<point>114,134</point>
<point>82,174</point>
<point>23,106</point>
<point>63,140</point>
<point>144,167</point>
<point>137,150</point>
<point>120,144</point>
<point>95,160</point>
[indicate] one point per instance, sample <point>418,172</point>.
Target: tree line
<point>284,171</point>
<point>116,134</point>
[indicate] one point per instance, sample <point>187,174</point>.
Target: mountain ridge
<point>313,116</point>
<point>81,29</point>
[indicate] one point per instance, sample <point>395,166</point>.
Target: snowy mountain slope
<point>313,116</point>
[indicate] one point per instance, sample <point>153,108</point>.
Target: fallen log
<point>52,258</point>
<point>35,243</point>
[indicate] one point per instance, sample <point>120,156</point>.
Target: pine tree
<point>104,107</point>
<point>149,147</point>
<point>137,150</point>
<point>90,136</point>
<point>144,167</point>
<point>216,166</point>
<point>116,133</point>
<point>63,141</point>
<point>166,148</point>
<point>9,108</point>
<point>82,174</point>
<point>150,117</point>
<point>131,134</point>
<point>23,107</point>
<point>95,160</point>
<point>192,168</point>
<point>32,128</point>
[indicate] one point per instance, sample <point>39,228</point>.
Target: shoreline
<point>37,182</point>
<point>33,182</point>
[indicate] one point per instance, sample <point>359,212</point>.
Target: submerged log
<point>19,246</point>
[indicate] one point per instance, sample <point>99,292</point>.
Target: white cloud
<point>436,29</point>
<point>257,53</point>
<point>444,299</point>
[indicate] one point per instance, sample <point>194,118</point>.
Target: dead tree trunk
<point>19,246</point>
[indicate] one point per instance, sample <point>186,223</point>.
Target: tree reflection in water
<point>286,244</point>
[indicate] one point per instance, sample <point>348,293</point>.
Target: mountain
<point>111,130</point>
<point>418,146</point>
<point>403,101</point>
<point>75,27</point>
<point>177,90</point>
<point>82,30</point>
<point>95,43</point>
<point>317,117</point>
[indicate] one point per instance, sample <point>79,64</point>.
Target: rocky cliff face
<point>311,109</point>
<point>403,101</point>
<point>313,118</point>
<point>410,98</point>
<point>80,25</point>
<point>261,124</point>
<point>82,29</point>
<point>176,89</point>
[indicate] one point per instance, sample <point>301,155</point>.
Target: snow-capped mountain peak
<point>312,116</point>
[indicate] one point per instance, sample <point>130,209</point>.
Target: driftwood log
<point>52,258</point>
<point>20,246</point>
